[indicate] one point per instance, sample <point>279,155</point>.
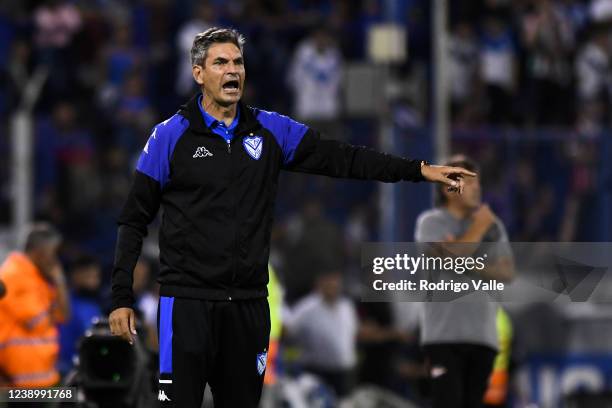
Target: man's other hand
<point>122,323</point>
<point>451,176</point>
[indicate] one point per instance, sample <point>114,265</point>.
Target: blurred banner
<point>555,379</point>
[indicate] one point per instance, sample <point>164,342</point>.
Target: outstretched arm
<point>338,159</point>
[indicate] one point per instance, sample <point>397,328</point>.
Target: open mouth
<point>232,85</point>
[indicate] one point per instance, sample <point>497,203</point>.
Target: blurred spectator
<point>203,19</point>
<point>134,114</point>
<point>116,169</point>
<point>325,326</point>
<point>68,149</point>
<point>460,339</point>
<point>57,22</point>
<point>378,342</point>
<point>85,282</point>
<point>463,73</point>
<point>540,221</point>
<point>601,10</point>
<point>36,301</point>
<point>593,77</point>
<point>275,301</point>
<point>356,230</point>
<point>549,39</point>
<point>523,194</point>
<point>314,78</point>
<point>498,69</point>
<point>312,241</point>
<point>118,60</point>
<point>578,13</point>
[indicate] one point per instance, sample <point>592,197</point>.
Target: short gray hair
<point>203,41</point>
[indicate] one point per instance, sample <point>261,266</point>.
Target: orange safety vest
<point>28,336</point>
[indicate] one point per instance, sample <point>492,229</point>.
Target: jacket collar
<point>190,110</point>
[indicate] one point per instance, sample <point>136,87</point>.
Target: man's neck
<point>224,114</point>
<point>458,211</point>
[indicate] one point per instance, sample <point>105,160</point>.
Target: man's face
<point>45,257</point>
<point>330,286</point>
<point>471,196</point>
<point>222,74</point>
<point>87,277</point>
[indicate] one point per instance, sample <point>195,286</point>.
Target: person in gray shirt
<point>460,338</point>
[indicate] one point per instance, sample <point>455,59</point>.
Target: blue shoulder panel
<point>287,132</point>
<point>154,160</point>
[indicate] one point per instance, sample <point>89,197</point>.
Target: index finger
<point>461,170</point>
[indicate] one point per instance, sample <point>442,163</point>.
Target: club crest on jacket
<point>253,146</point>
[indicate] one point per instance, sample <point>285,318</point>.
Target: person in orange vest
<point>36,300</point>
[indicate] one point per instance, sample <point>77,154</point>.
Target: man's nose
<point>232,68</point>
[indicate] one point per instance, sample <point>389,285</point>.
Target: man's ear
<point>197,72</point>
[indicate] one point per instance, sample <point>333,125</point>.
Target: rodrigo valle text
<point>440,286</point>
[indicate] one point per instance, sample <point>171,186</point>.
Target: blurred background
<point>521,86</point>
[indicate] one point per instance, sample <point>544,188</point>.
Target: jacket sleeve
<point>338,159</point>
<point>151,176</point>
<point>138,212</point>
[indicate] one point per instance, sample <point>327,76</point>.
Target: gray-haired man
<point>214,168</point>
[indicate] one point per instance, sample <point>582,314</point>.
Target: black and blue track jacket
<point>218,199</point>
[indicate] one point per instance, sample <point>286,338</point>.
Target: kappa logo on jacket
<point>201,152</point>
<point>161,396</point>
<point>253,146</point>
<point>146,148</point>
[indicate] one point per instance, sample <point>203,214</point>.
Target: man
<point>36,301</point>
<point>325,326</point>
<point>315,75</point>
<point>460,339</point>
<point>215,165</point>
<point>85,282</point>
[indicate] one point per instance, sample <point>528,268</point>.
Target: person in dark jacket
<point>213,167</point>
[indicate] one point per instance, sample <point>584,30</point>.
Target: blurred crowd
<point>115,68</point>
<point>534,63</point>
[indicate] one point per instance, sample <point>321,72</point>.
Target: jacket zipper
<point>236,245</point>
